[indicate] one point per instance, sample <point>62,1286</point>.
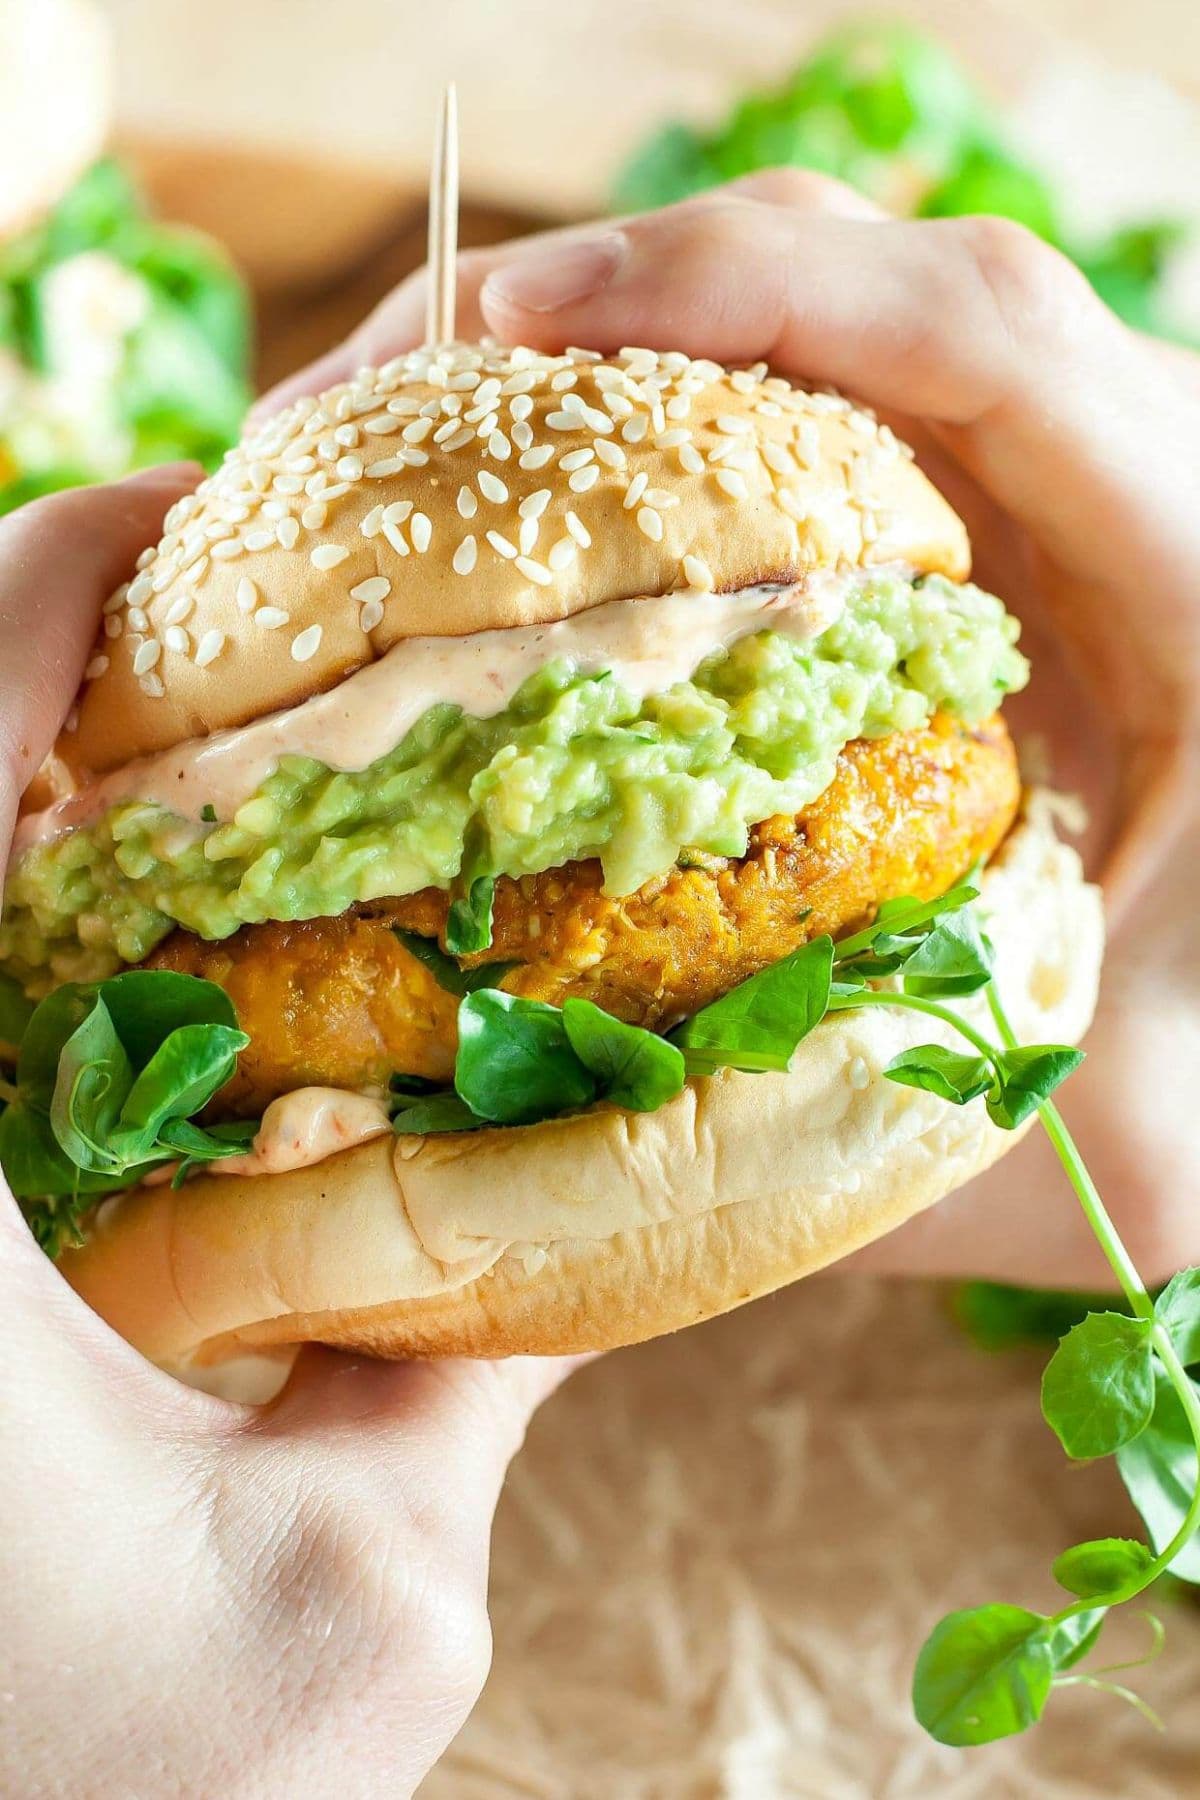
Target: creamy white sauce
<point>299,1130</point>
<point>649,644</point>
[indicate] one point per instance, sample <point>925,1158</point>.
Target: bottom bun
<point>588,1233</point>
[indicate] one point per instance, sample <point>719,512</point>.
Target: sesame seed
<point>176,638</point>
<point>522,404</point>
<point>421,532</point>
<point>271,617</point>
<point>671,440</point>
<point>395,537</point>
<point>733,425</point>
<point>397,512</point>
<point>561,553</point>
<point>457,441</point>
<point>792,505</point>
<point>777,458</point>
<point>347,436</point>
<point>538,457</point>
<point>465,556</point>
<point>522,434</point>
<point>564,421</point>
<point>371,615</point>
<point>349,468</point>
<point>635,429</point>
<point>209,648</point>
<point>535,504</point>
<point>376,587</point>
<point>287,484</point>
<point>99,666</point>
<point>499,446</point>
<point>258,540</point>
<point>611,454</point>
<point>697,573</point>
<point>468,505</point>
<point>376,471</point>
<point>678,406</point>
<point>113,626</point>
<point>690,459</point>
<point>535,571</point>
<point>152,685</point>
<point>287,531</point>
<point>576,459</point>
<point>137,619</point>
<point>371,524</point>
<point>650,523</point>
<point>733,484</point>
<point>637,487</point>
<point>417,431</point>
<point>501,545</point>
<point>528,535</point>
<point>306,644</point>
<point>583,479</point>
<point>314,516</point>
<point>328,556</point>
<point>139,591</point>
<point>662,498</point>
<point>578,530</point>
<point>491,487</point>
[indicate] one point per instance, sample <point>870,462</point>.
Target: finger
<point>398,323</point>
<point>451,1426</point>
<point>60,558</point>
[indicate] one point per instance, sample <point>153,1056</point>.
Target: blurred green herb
<point>177,387</point>
<point>889,110</point>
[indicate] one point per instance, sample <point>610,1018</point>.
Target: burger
<point>476,904</point>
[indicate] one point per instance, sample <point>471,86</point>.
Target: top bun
<point>474,487</point>
<point>54,102</point>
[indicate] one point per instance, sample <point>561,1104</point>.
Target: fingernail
<point>552,276</point>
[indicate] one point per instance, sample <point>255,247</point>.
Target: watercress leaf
<point>984,1673</point>
<point>200,1144</point>
<point>1098,1388</point>
<point>1178,1310</point>
<point>445,969</point>
<point>34,1164</point>
<point>1071,1638</point>
<point>1029,1075</point>
<point>437,1112</point>
<point>208,1143</point>
<point>93,1080</point>
<point>946,1073</point>
<point>147,1005</point>
<point>469,922</point>
<point>1159,1471</point>
<point>1101,1566</point>
<point>53,1021</point>
<point>15,1012</point>
<point>182,1076</point>
<point>950,959</point>
<point>758,1024</point>
<point>635,1068</point>
<point>897,919</point>
<point>515,1063</point>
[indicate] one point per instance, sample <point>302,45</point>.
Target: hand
<point>195,1597</point>
<point>1070,445</point>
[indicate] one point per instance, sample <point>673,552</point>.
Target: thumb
<point>450,1427</point>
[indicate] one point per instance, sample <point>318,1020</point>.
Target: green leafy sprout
<point>110,1077</point>
<point>887,109</point>
<point>179,383</point>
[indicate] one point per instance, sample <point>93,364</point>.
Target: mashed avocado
<point>573,767</point>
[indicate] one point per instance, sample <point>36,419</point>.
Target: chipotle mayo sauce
<point>649,644</point>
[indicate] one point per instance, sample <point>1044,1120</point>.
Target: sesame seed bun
<point>598,1231</point>
<point>403,505</point>
<point>54,103</point>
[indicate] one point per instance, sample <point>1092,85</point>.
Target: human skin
<point>1070,444</point>
<point>197,1599</point>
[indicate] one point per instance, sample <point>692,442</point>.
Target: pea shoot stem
<point>916,1003</point>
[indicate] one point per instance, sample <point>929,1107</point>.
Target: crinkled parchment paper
<point>718,1555</point>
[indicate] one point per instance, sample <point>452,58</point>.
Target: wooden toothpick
<point>443,224</point>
